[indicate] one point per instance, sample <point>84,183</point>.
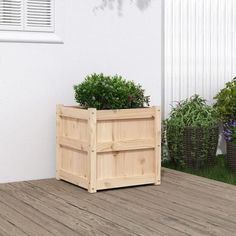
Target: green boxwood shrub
<point>109,92</point>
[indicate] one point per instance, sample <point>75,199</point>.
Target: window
<point>27,15</point>
<point>27,18</point>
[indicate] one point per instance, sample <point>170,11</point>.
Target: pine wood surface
<point>182,205</point>
<point>101,149</point>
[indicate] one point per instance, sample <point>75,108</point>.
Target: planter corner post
<point>92,152</point>
<point>58,134</point>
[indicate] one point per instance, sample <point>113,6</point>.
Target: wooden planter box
<point>102,149</point>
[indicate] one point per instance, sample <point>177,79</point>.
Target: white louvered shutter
<point>39,15</point>
<point>11,14</point>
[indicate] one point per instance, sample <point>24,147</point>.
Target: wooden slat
<point>72,112</point>
<point>86,145</point>
<point>125,181</point>
<point>126,145</point>
<point>58,147</point>
<point>92,152</point>
<point>139,113</point>
<point>73,143</point>
<point>72,178</point>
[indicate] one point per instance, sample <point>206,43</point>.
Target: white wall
<point>35,77</point>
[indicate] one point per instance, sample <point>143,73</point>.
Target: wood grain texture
<point>125,114</point>
<point>58,147</point>
<point>109,149</point>
<point>74,112</point>
<point>182,205</point>
<point>92,152</point>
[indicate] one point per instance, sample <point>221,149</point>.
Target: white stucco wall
<point>35,77</point>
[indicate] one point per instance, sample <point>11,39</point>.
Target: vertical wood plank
<point>92,154</point>
<point>58,147</point>
<point>157,127</point>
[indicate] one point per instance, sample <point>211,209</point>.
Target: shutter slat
<point>39,15</point>
<point>11,14</point>
<point>27,15</point>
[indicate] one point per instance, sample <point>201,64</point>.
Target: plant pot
<point>102,149</point>
<point>231,153</point>
<point>194,147</point>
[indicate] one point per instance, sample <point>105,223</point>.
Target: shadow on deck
<point>183,205</point>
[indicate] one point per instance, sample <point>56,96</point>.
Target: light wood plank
<point>73,143</point>
<point>92,152</point>
<point>126,145</point>
<point>58,147</point>
<point>74,112</point>
<point>73,178</point>
<point>125,181</point>
<point>138,113</point>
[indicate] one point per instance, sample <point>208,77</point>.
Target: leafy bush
<point>191,122</point>
<point>109,92</point>
<point>226,102</point>
<point>192,112</point>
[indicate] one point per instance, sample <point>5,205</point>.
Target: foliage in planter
<point>110,92</point>
<point>191,123</point>
<point>226,108</point>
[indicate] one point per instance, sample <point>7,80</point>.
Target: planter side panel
<point>72,145</point>
<point>125,152</point>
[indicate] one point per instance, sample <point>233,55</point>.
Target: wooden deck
<point>182,205</point>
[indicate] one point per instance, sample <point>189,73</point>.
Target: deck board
<point>183,205</point>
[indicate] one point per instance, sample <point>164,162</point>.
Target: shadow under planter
<point>103,149</point>
<point>231,153</point>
